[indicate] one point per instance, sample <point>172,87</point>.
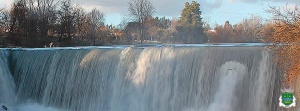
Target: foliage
<point>36,23</point>
<point>286,39</point>
<point>190,34</point>
<point>190,15</point>
<point>249,30</point>
<point>191,26</point>
<point>156,29</point>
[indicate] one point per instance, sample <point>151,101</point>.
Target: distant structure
<point>212,31</point>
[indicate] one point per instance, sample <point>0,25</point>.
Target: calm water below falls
<point>164,78</point>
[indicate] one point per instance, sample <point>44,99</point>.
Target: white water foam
<point>225,98</point>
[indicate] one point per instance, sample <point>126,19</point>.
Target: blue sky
<point>214,11</point>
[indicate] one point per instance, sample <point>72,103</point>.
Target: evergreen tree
<point>191,26</point>
<point>191,15</point>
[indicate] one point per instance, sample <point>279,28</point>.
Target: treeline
<point>250,30</point>
<point>37,23</point>
<point>40,23</point>
<point>186,29</point>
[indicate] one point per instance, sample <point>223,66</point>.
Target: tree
<point>164,23</point>
<point>131,31</point>
<point>152,27</point>
<point>124,22</point>
<point>66,19</point>
<point>41,17</point>
<point>79,21</point>
<point>140,10</point>
<point>96,19</point>
<point>191,26</point>
<point>224,34</point>
<point>4,25</point>
<point>249,29</point>
<point>267,31</point>
<point>286,39</point>
<point>4,21</point>
<point>30,22</point>
<point>17,14</point>
<point>190,15</point>
<point>36,23</point>
<point>46,15</point>
<point>228,32</point>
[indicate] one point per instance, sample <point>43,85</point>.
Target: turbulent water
<point>140,79</point>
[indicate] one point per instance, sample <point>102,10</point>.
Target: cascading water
<point>7,85</point>
<point>142,79</point>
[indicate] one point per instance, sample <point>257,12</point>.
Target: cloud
<point>106,6</point>
<point>207,7</point>
<point>162,7</point>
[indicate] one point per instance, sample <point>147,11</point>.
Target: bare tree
<point>45,10</point>
<point>96,19</point>
<point>252,28</point>
<point>66,15</point>
<point>30,21</point>
<point>80,18</point>
<point>140,10</point>
<point>4,25</point>
<point>286,38</point>
<point>41,18</point>
<point>4,21</point>
<point>18,26</point>
<point>123,23</point>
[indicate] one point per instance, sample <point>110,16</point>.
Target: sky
<point>213,11</point>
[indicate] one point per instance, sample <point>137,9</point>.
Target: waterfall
<point>7,85</point>
<point>163,78</point>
